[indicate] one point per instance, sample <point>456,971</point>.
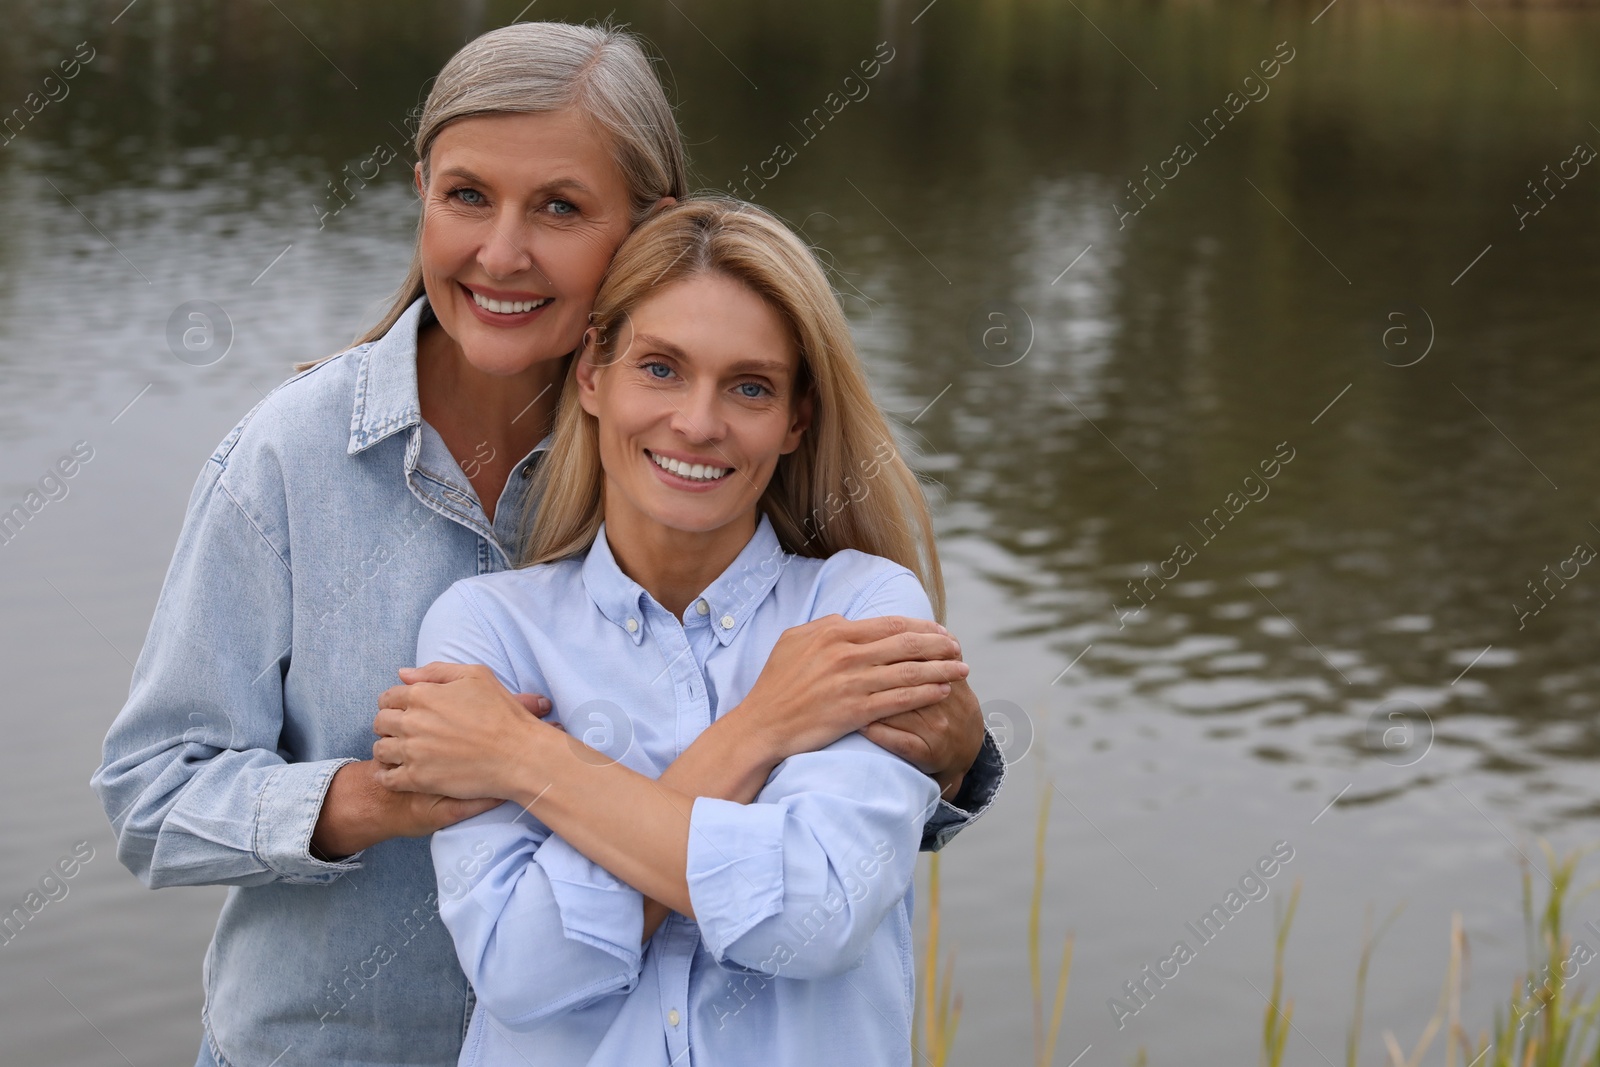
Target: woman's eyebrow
<point>743,366</point>
<point>551,186</point>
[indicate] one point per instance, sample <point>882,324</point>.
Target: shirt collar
<point>730,599</point>
<point>386,383</point>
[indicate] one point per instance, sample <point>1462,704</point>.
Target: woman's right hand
<point>832,676</point>
<point>357,812</point>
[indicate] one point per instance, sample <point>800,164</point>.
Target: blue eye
<point>566,206</point>
<point>651,368</point>
<point>465,195</point>
<point>759,389</point>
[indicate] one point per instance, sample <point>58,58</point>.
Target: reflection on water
<point>1347,287</point>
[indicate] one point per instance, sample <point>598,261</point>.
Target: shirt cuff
<point>286,817</point>
<point>734,868</point>
<point>976,795</point>
<point>595,906</point>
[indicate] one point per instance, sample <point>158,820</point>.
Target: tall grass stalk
<point>940,1016</point>
<point>1551,1024</point>
<point>1275,1027</point>
<point>1369,945</point>
<point>1044,1042</point>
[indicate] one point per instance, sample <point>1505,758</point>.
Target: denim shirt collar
<point>730,600</point>
<point>386,385</point>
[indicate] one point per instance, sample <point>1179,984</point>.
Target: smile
<point>508,307</point>
<point>695,472</point>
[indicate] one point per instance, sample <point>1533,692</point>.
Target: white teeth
<point>507,307</point>
<point>697,471</point>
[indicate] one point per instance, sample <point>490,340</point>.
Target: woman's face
<point>697,406</point>
<point>521,215</point>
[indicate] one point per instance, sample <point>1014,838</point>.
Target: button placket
<point>673,976</point>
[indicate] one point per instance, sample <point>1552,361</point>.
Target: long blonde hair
<point>548,66</point>
<point>845,486</point>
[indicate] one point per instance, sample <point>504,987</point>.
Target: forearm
<point>353,815</point>
<point>730,760</point>
<point>633,826</point>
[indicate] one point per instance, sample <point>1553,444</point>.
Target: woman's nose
<point>507,250</point>
<point>699,416</point>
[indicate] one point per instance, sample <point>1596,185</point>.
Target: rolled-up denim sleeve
<point>191,776</point>
<point>539,929</point>
<point>978,790</point>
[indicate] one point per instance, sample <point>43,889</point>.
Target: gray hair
<point>550,66</point>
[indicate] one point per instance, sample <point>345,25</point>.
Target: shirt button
<point>527,470</point>
<point>633,625</point>
<point>672,1017</point>
<point>727,622</point>
<point>701,607</point>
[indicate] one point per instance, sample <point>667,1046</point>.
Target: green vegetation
<point>1546,1021</point>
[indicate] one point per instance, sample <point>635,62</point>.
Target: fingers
<point>907,746</point>
<point>439,672</point>
<point>867,631</point>
<point>535,703</point>
<point>388,752</point>
<point>387,721</point>
<point>912,644</point>
<point>892,702</point>
<point>914,672</point>
<point>396,696</point>
<point>447,811</point>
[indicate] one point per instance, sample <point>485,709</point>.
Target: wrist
<point>352,817</point>
<point>528,767</point>
<point>950,786</point>
<point>752,736</point>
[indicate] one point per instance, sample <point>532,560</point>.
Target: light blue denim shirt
<point>316,537</point>
<point>800,950</point>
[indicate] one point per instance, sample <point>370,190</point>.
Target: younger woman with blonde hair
<point>719,474</point>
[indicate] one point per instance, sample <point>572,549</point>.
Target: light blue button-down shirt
<point>317,535</point>
<point>800,950</point>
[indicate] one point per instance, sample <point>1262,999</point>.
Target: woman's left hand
<point>942,740</point>
<point>454,730</point>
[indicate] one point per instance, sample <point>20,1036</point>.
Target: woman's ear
<point>416,179</point>
<point>804,409</point>
<point>587,371</point>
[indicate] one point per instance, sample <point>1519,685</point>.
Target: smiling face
<point>521,216</point>
<point>696,408</point>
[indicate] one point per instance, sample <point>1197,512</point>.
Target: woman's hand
<point>833,676</point>
<point>942,740</point>
<point>357,812</point>
<point>453,730</point>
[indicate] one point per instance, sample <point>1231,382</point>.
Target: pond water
<point>1246,351</point>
